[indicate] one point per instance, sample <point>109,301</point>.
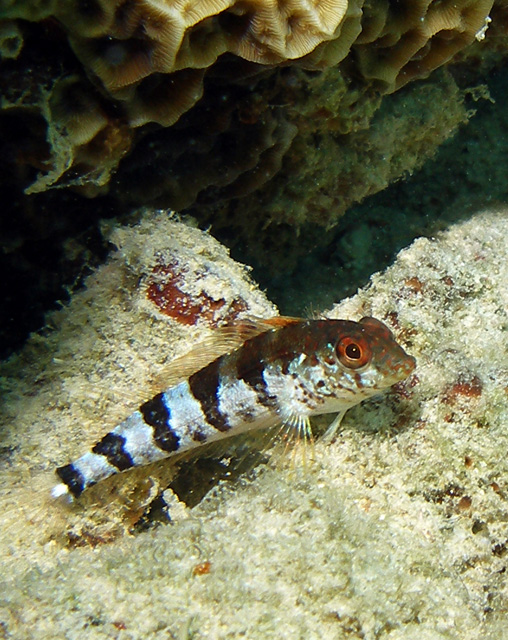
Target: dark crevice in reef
<point>46,254</point>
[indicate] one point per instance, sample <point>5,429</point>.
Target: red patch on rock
<point>466,387</point>
<point>165,290</point>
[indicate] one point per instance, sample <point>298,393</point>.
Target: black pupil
<point>353,351</point>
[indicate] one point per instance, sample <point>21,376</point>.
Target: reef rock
<point>396,530</point>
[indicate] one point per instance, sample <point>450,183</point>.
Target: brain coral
<point>125,41</point>
<point>405,40</point>
<point>141,62</point>
<point>152,57</point>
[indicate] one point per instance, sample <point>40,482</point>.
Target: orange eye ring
<point>353,353</point>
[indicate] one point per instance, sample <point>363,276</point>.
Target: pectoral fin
<point>329,434</point>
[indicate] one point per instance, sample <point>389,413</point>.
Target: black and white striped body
<point>282,374</point>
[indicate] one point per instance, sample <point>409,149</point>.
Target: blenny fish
<point>281,370</point>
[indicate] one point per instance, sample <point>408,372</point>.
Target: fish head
<point>364,359</point>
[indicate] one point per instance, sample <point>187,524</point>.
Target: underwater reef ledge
<point>397,530</point>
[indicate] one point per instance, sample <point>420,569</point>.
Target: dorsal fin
<point>277,322</point>
<point>223,340</point>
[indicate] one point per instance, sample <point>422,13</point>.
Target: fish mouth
<point>397,369</point>
<point>404,368</point>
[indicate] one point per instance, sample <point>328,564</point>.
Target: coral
<point>235,150</point>
<point>11,39</point>
<point>154,61</point>
<point>123,43</point>
<point>406,511</point>
<point>336,161</point>
<point>153,58</point>
<point>409,40</point>
<point>72,138</point>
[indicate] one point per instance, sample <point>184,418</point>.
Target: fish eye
<point>353,353</point>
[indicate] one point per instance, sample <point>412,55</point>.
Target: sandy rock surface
<point>397,530</point>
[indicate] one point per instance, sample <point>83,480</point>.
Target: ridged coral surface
<point>153,60</point>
